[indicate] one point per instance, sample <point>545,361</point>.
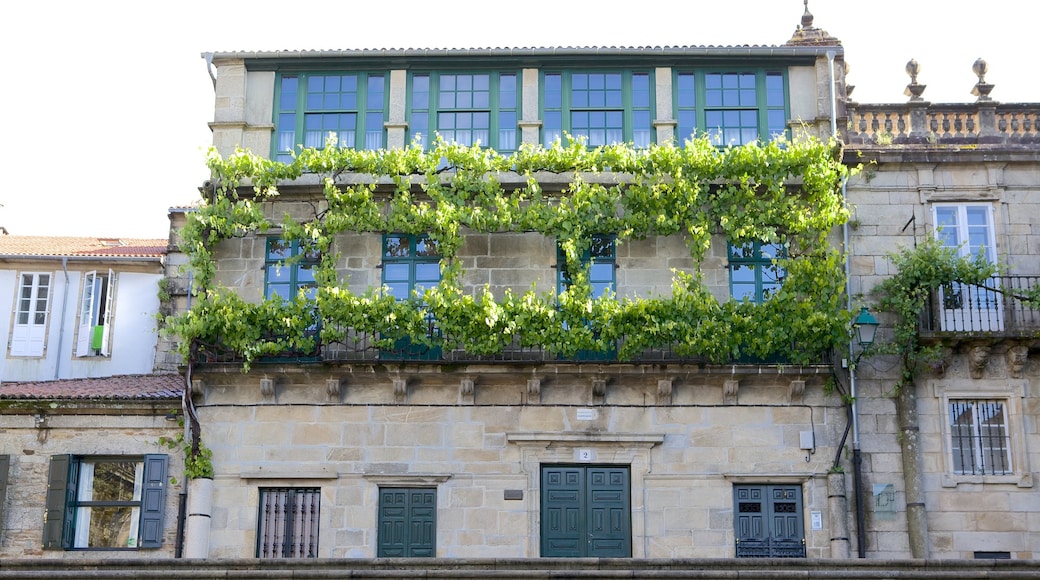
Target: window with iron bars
<point>288,522</point>
<point>980,442</point>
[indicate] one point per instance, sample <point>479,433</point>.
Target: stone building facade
<point>387,453</point>
<point>968,174</point>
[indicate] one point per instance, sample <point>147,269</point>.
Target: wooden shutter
<point>86,315</point>
<point>153,500</point>
<point>106,321</point>
<point>5,467</point>
<point>60,502</point>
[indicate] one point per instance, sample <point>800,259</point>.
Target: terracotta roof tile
<point>58,246</point>
<point>123,387</point>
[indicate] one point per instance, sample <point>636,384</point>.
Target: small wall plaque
<point>514,494</point>
<point>586,414</point>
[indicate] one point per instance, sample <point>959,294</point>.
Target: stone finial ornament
<point>914,90</point>
<point>981,88</point>
<point>808,35</point>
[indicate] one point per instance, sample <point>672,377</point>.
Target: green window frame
<point>410,263</point>
<point>288,269</point>
<point>465,107</point>
<point>601,260</point>
<point>603,106</point>
<point>755,273</point>
<point>105,502</point>
<point>733,107</point>
<point>309,106</point>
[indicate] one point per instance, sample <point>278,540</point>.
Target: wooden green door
<point>407,522</point>
<point>768,521</point>
<point>586,512</point>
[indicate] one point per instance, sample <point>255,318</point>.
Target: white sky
<point>107,102</point>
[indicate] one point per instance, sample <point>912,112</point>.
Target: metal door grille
<point>288,523</point>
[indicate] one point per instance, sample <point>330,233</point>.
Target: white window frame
<point>982,309</point>
<point>92,310</point>
<point>1011,394</point>
<point>30,338</point>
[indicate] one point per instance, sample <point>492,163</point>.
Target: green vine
<point>778,192</point>
<point>920,271</point>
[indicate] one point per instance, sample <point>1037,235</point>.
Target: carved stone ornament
<point>978,359</point>
<point>1017,357</point>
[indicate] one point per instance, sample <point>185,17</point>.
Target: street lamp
<point>866,328</point>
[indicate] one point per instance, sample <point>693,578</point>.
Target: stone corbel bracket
<point>267,388</point>
<point>400,389</point>
<point>466,387</point>
<point>599,390</point>
<point>978,359</point>
<point>729,391</point>
<point>534,390</point>
<point>797,391</point>
<point>664,391</point>
<point>1017,356</point>
<point>333,389</point>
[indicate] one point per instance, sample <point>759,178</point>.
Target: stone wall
<point>685,455</point>
<point>86,432</point>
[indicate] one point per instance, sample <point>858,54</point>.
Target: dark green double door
<point>586,511</point>
<point>407,522</point>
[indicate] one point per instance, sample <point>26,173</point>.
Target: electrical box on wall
<point>808,439</point>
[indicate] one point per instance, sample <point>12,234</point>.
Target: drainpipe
<point>61,323</point>
<point>857,459</point>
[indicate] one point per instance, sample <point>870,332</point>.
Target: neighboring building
<point>84,470</point>
<point>78,307</point>
<point>409,450</point>
<point>81,412</point>
<point>970,175</point>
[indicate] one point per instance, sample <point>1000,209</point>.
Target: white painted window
<point>968,228</point>
<point>30,318</point>
<point>95,315</point>
<point>980,442</point>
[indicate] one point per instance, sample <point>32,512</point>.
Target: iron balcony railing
<point>363,347</point>
<point>997,307</point>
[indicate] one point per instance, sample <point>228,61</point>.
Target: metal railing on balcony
<point>364,347</point>
<point>997,307</point>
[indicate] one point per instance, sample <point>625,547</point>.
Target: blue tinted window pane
<point>420,92</point>
<point>288,96</point>
<point>393,272</point>
<point>775,90</point>
<point>507,91</point>
<point>553,91</point>
<point>742,273</point>
<point>640,90</point>
<point>305,273</point>
<point>687,124</point>
<point>427,272</point>
<point>977,216</point>
<point>395,246</point>
<point>553,128</point>
<point>276,273</point>
<point>687,96</point>
<point>777,123</point>
<point>399,290</point>
<point>601,272</point>
<point>278,291</point>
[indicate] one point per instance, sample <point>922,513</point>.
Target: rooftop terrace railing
<point>924,123</point>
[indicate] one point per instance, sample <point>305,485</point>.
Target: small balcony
<point>996,309</point>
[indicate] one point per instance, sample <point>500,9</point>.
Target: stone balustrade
<point>929,124</point>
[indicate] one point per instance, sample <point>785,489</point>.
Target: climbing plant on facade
<point>778,192</point>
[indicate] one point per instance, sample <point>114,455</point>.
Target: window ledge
<point>1020,480</point>
<point>302,473</point>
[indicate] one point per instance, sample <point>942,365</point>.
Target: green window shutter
<point>153,500</point>
<point>5,467</point>
<point>57,519</point>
